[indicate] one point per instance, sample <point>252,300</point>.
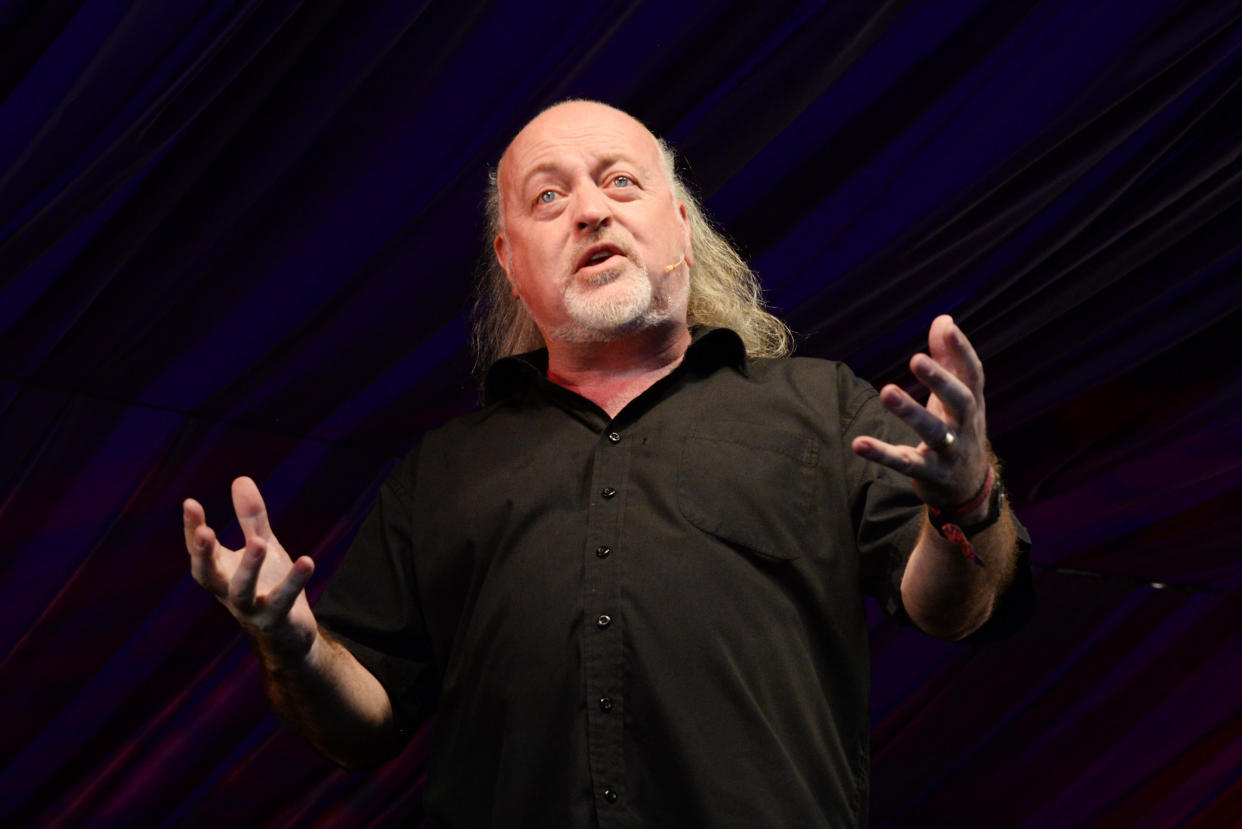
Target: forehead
<point>577,132</point>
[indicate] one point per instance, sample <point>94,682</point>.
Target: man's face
<point>591,226</point>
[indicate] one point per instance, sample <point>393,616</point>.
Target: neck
<point>611,374</point>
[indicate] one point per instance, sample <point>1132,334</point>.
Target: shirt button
<point>603,621</point>
<point>605,705</point>
<point>610,795</point>
<point>608,492</point>
<point>615,437</point>
<point>602,551</point>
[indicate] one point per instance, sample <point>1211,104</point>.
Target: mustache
<point>600,237</point>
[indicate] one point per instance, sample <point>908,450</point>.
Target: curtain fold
<point>238,237</point>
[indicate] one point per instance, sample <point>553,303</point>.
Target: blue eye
<point>622,181</point>
<point>547,196</point>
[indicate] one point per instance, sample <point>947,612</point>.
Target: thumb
<point>940,338</point>
<point>251,511</point>
<point>945,346</point>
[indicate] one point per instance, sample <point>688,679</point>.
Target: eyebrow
<point>545,167</point>
<point>553,167</point>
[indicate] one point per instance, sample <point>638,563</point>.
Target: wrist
<point>973,509</point>
<point>290,656</point>
<point>957,524</point>
<point>979,514</point>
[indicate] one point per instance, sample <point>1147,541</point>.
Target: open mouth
<point>597,255</point>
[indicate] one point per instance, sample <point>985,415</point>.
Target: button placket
<point>603,655</point>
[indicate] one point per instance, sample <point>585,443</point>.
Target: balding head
<point>723,290</point>
<point>573,117</point>
<point>593,240</point>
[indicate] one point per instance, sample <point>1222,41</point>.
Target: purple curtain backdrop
<point>238,238</point>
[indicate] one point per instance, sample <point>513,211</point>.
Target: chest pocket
<point>751,486</point>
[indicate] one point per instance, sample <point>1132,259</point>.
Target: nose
<point>592,210</point>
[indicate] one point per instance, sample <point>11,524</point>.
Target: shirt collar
<point>709,348</point>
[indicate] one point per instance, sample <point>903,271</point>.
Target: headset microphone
<point>675,264</point>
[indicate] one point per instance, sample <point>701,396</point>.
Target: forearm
<point>316,685</point>
<point>948,595</point>
<point>333,702</point>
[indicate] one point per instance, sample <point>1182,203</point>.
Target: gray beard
<point>631,307</point>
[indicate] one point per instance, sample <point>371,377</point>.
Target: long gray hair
<point>724,291</point>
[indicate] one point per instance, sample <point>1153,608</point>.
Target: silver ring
<point>946,441</point>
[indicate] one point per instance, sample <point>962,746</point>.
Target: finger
<point>925,424</point>
<point>246,576</point>
<point>192,517</point>
<point>904,459</point>
<point>286,593</point>
<point>957,398</point>
<point>205,552</point>
<point>949,346</point>
<point>251,511</point>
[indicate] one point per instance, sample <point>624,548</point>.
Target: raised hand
<point>259,584</point>
<point>951,464</point>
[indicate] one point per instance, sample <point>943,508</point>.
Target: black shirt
<point>652,620</point>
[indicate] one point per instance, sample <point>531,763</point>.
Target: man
<point>630,586</point>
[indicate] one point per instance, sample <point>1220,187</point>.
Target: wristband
<point>945,520</point>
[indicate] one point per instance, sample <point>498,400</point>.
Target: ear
<point>501,246</point>
<point>685,234</point>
